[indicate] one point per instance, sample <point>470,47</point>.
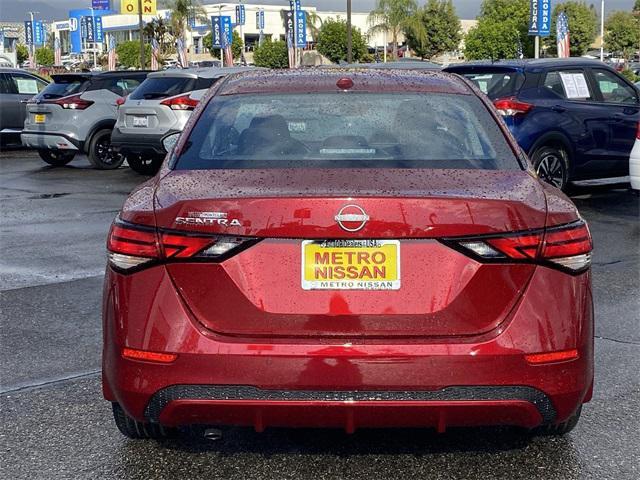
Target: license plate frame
<point>366,279</point>
<point>140,122</point>
<point>39,118</point>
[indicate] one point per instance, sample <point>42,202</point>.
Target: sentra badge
<point>208,218</point>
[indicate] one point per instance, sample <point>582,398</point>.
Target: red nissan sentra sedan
<point>348,249</point>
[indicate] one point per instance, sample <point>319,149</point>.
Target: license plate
<point>351,265</point>
<point>39,118</point>
<point>140,122</point>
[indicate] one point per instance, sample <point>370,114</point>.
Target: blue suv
<point>575,118</point>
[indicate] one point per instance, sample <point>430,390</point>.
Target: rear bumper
<point>222,380</point>
<point>139,144</point>
<point>49,141</point>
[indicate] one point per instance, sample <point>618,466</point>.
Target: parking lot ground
<point>55,424</point>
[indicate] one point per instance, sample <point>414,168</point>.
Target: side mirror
<point>170,141</point>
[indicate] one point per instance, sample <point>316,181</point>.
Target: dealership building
<point>125,27</point>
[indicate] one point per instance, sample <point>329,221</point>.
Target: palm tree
<point>314,23</point>
<point>396,17</point>
<point>181,12</point>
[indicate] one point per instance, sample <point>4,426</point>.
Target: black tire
<point>559,428</point>
<point>56,158</point>
<point>100,154</point>
<point>144,165</point>
<point>552,166</point>
<point>137,430</point>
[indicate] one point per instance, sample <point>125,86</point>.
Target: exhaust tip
<point>213,434</point>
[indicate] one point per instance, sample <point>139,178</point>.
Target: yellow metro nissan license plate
<point>351,265</point>
<point>39,118</point>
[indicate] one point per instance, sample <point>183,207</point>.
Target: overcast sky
<point>16,10</point>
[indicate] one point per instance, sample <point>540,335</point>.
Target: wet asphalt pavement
<point>55,424</point>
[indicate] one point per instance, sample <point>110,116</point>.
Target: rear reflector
<point>567,247</point>
<point>132,246</point>
<point>148,356</point>
<point>183,102</point>
<point>508,107</point>
<point>561,356</point>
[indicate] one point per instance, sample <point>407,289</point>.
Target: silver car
<point>76,113</point>
<point>16,88</point>
<point>159,108</point>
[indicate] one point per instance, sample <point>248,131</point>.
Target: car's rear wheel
<point>101,154</point>
<point>138,430</point>
<point>552,166</point>
<point>144,165</point>
<point>560,428</point>
<point>57,158</point>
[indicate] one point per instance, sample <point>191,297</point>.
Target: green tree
<point>237,45</point>
<point>332,41</point>
<point>441,27</point>
<point>622,33</point>
<point>492,40</point>
<point>583,27</point>
<point>314,23</point>
<point>271,54</point>
<point>45,56</point>
<point>159,30</point>
<point>182,11</point>
<point>515,13</point>
<point>129,53</point>
<point>22,52</point>
<point>395,17</point>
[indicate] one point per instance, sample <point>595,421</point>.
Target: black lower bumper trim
<point>463,393</point>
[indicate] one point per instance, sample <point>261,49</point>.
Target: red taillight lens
<point>73,102</point>
<point>638,131</point>
<point>120,101</point>
<point>508,107</point>
<point>567,247</point>
<point>551,357</point>
<point>147,356</point>
<point>183,102</point>
<point>134,246</point>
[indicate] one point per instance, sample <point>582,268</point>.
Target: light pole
<point>32,46</point>
<point>141,33</point>
<point>93,22</point>
<point>602,31</point>
<point>349,45</point>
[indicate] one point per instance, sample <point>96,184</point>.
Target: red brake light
<point>120,101</point>
<point>638,131</point>
<point>344,83</point>
<point>508,107</point>
<point>134,246</point>
<point>73,102</point>
<point>567,247</point>
<point>183,102</point>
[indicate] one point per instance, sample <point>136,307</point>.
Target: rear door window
<point>570,84</point>
<point>612,88</point>
<point>163,87</point>
<point>26,84</point>
<point>6,86</point>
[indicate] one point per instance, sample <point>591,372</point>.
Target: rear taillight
<point>120,101</point>
<point>638,131</point>
<point>131,247</point>
<point>183,102</point>
<point>73,102</point>
<point>567,247</point>
<point>508,107</point>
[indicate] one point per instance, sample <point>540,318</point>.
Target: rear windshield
<point>163,87</point>
<point>497,84</point>
<point>64,87</point>
<point>355,130</point>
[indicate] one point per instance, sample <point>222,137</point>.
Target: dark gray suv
<point>76,113</point>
